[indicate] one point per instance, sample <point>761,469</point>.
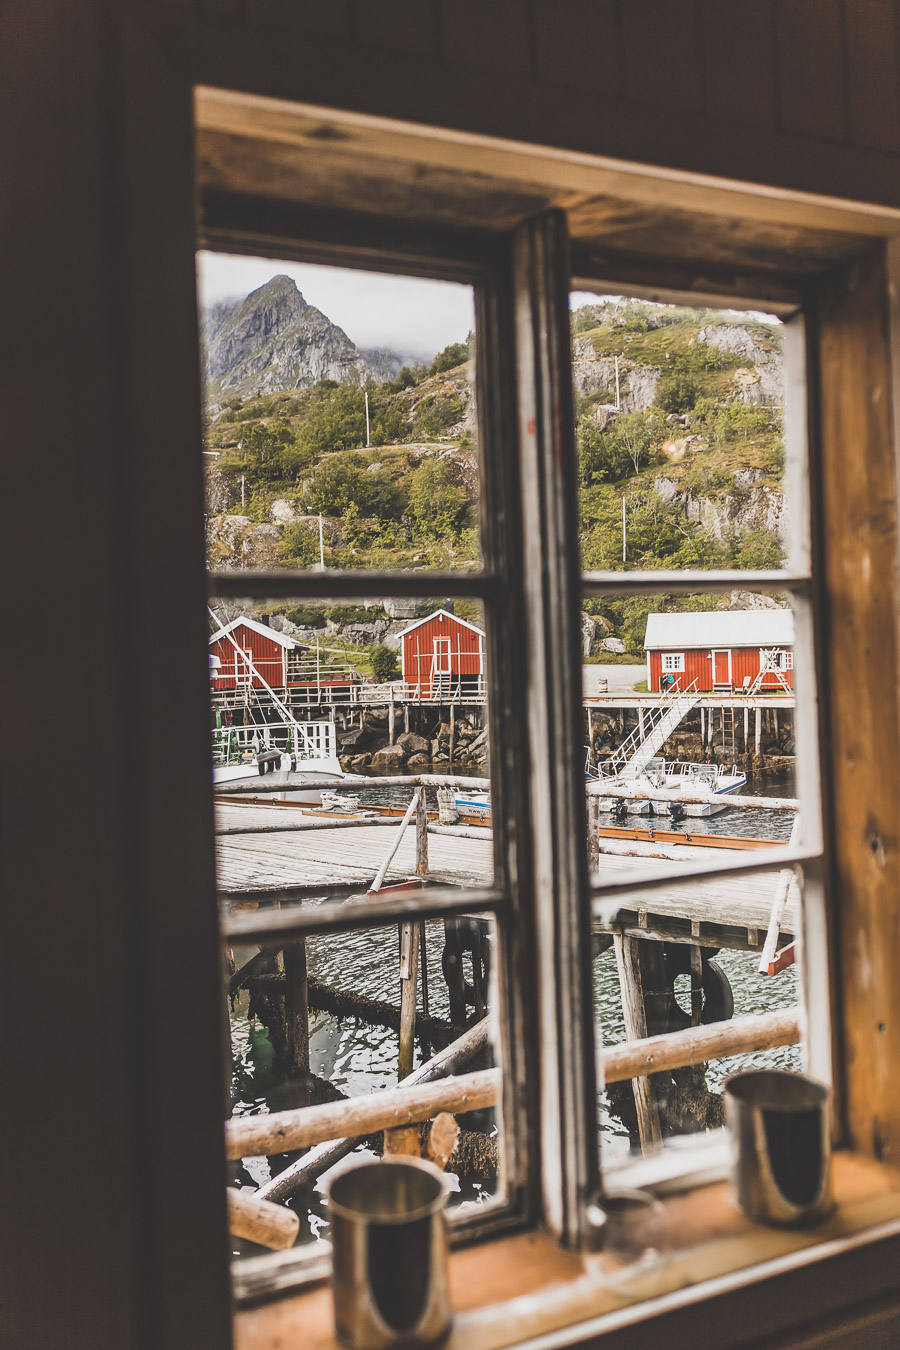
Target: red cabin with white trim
<point>724,651</point>
<point>443,657</point>
<point>277,660</point>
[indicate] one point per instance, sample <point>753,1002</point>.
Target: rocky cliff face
<point>274,340</point>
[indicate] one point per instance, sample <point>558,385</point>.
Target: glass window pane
<point>694,954</point>
<point>681,439</point>
<point>327,1020</point>
<point>327,720</point>
<point>341,428</point>
<point>683,749</point>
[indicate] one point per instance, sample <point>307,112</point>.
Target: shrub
<point>385,664</point>
<point>299,545</point>
<point>451,356</point>
<point>676,391</point>
<point>438,503</point>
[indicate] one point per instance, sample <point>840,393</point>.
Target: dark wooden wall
<point>113,1207</point>
<point>798,93</point>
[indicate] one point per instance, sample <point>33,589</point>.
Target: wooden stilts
<point>746,728</point>
<point>452,732</point>
<point>391,720</point>
<point>641,722</point>
<point>636,1030</point>
<point>421,835</point>
<point>406,717</point>
<point>296,1005</point>
<point>702,729</point>
<point>757,731</point>
<point>775,720</point>
<point>593,829</point>
<point>696,985</point>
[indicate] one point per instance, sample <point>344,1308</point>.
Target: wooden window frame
<point>847,328</point>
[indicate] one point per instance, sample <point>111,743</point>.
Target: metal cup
<point>781,1146</point>
<point>389,1254</point>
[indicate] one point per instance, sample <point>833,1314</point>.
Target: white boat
<point>473,803</point>
<point>680,779</point>
<point>286,753</point>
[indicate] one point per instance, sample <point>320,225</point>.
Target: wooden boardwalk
<point>314,856</point>
<point>306,851</point>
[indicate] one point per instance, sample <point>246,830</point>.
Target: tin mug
<point>389,1254</point>
<point>781,1146</point>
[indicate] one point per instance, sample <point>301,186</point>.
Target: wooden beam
<point>698,1045</point>
<point>323,1156</point>
<point>861,602</point>
<point>260,1221</point>
<point>282,1131</point>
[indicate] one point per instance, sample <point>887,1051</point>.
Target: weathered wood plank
<point>861,602</point>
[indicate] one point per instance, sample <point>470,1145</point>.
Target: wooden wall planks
<point>738,52</point>
<point>873,86</point>
<point>811,70</point>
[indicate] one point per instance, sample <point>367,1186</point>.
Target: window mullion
<point>551,574</point>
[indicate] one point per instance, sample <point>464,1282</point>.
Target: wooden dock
<point>263,849</point>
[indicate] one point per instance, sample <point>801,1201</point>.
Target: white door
<point>721,667</point>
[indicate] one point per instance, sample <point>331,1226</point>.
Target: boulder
<point>612,644</point>
<point>419,762</point>
<point>390,759</point>
<point>413,744</point>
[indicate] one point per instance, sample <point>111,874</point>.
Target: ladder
<point>728,733</point>
<point>636,751</point>
<point>769,665</point>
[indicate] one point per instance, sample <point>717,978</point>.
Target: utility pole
<point>368,440</point>
<point>623,528</point>
<point>618,403</point>
<point>322,546</point>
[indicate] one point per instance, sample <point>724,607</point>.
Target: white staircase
<point>636,751</point>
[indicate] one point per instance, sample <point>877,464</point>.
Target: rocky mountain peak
<point>274,340</point>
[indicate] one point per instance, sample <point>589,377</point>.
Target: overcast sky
<point>405,314</point>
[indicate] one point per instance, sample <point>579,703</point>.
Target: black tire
<point>718,995</point>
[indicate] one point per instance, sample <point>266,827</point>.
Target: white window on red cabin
<point>673,661</point>
<point>778,660</point>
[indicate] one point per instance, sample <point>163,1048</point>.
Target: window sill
<point>520,1288</point>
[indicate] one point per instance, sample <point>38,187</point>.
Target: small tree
<point>385,665</point>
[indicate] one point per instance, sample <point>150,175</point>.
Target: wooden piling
<point>593,832</point>
<point>635,1030</point>
<point>696,985</point>
<point>746,728</point>
<point>757,731</point>
<point>702,729</point>
<point>391,720</point>
<point>409,970</point>
<point>421,835</point>
<point>452,733</point>
<point>296,1005</point>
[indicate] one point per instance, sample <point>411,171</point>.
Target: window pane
<point>328,1020</point>
<point>689,955</point>
<point>327,720</point>
<point>677,744</point>
<point>681,436</point>
<point>341,427</point>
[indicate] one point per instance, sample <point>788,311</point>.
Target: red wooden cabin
<point>723,650</point>
<point>443,656</point>
<point>284,665</point>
